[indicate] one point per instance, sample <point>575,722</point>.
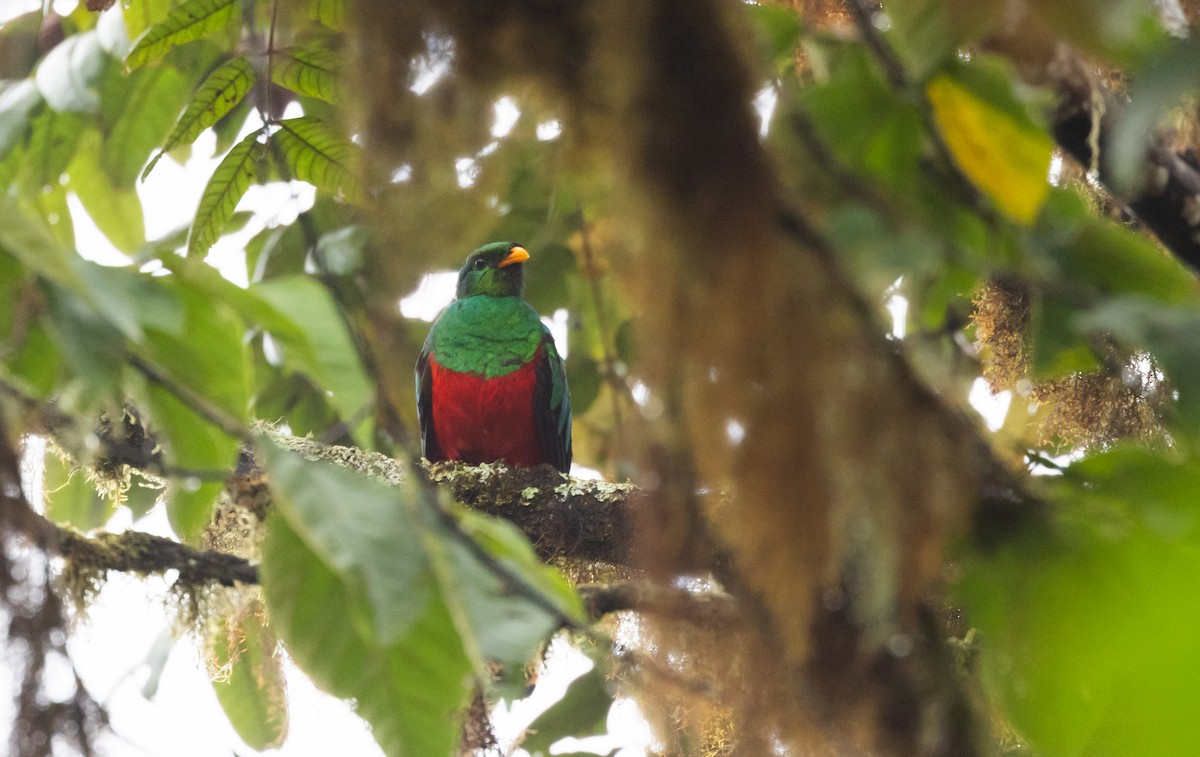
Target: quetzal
<point>490,383</point>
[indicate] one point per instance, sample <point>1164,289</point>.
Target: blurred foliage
<point>929,182</point>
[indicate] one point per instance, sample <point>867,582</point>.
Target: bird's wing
<point>429,444</point>
<point>552,406</point>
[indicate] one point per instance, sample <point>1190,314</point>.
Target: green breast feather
<point>492,336</point>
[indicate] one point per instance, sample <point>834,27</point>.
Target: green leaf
<point>506,625</point>
<point>35,366</point>
<point>217,96</point>
<point>117,213</point>
<point>69,76</point>
<point>252,692</point>
<point>1088,635</point>
<point>852,95</point>
<point>582,712</point>
<point>90,346</point>
<point>331,13</point>
<point>992,138</point>
<point>17,101</point>
<point>241,167</point>
<point>187,22</point>
<point>206,354</point>
<point>312,71</point>
<point>325,350</point>
<point>927,33</point>
<point>30,241</point>
<point>137,114</point>
<point>350,592</point>
<point>195,448</point>
<point>313,152</point>
<point>140,15</point>
<point>71,499</point>
<point>52,143</point>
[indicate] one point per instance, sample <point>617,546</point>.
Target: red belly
<point>480,420</point>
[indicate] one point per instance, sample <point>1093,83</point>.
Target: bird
<point>491,384</point>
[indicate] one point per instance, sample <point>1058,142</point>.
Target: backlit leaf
<point>117,213</point>
<point>252,690</point>
<point>218,95</point>
<point>314,152</point>
<point>137,114</point>
<point>187,22</point>
<point>236,172</point>
<point>331,13</point>
<point>350,592</point>
<point>311,71</point>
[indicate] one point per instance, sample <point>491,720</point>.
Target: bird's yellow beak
<point>515,255</point>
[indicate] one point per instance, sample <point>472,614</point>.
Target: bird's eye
<point>480,264</point>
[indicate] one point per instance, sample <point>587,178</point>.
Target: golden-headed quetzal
<point>490,383</point>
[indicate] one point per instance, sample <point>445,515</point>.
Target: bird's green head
<point>494,270</point>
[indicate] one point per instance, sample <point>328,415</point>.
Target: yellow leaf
<point>1007,159</point>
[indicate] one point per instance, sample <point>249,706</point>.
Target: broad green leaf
<point>199,455</point>
<point>117,213</point>
<point>350,592</point>
<point>994,143</point>
<point>36,363</point>
<point>30,241</point>
<point>128,300</point>
<point>252,692</point>
<point>205,354</point>
<point>140,15</point>
<point>69,76</point>
<point>137,114</point>
<point>217,96</point>
<point>853,94</point>
<point>331,13</point>
<point>581,712</point>
<point>927,33</point>
<point>71,499</point>
<point>312,71</point>
<point>186,22</point>
<point>92,349</point>
<point>327,352</point>
<point>203,350</point>
<point>52,143</point>
<point>314,152</point>
<point>17,102</point>
<point>1088,637</point>
<point>1119,261</point>
<point>234,175</point>
<point>506,626</point>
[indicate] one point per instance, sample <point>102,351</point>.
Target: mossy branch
<point>562,516</point>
